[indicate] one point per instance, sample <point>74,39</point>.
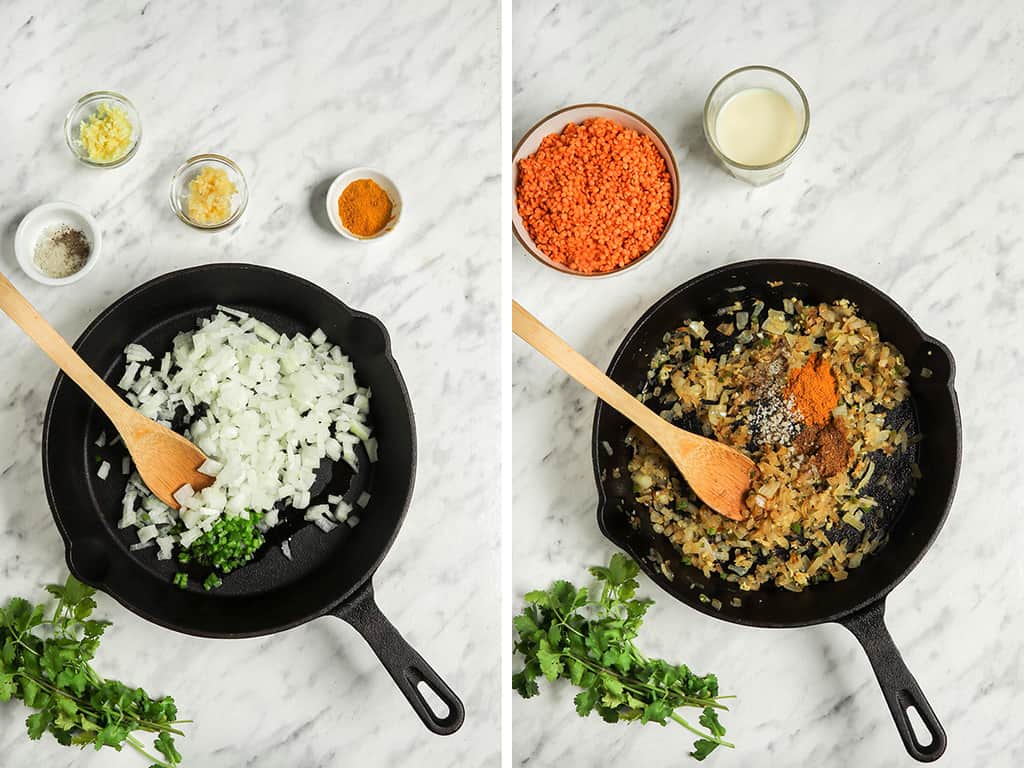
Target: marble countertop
<point>911,179</point>
<point>295,94</point>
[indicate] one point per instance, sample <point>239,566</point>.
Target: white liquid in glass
<point>757,126</point>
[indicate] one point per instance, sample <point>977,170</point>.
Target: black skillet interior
<point>913,521</point>
<point>327,572</point>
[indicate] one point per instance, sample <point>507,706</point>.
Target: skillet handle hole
<point>435,703</point>
<point>918,727</point>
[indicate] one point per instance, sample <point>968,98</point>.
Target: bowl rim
<point>671,159</point>
<point>713,143</point>
<point>94,233</point>
<point>217,158</point>
<point>110,96</point>
<point>330,203</point>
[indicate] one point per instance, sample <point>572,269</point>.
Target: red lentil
<point>595,197</point>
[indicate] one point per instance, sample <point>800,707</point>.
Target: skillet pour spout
<point>858,602</point>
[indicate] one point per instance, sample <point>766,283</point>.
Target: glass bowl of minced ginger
<point>103,129</point>
<point>209,192</point>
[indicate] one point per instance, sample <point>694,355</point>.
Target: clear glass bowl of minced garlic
<point>209,192</point>
<point>103,129</point>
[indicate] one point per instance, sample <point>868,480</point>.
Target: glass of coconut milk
<point>755,120</point>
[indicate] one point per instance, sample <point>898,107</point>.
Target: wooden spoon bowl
<point>718,474</point>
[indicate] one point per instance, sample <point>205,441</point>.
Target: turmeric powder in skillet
<point>364,208</point>
<point>812,390</point>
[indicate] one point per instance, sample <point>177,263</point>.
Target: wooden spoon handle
<point>549,344</point>
<point>53,344</point>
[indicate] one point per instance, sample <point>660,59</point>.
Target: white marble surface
<point>295,94</point>
<point>910,178</point>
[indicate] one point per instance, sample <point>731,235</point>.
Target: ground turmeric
<point>811,391</point>
<point>364,208</point>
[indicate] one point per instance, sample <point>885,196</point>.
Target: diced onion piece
<point>166,545</point>
<point>136,353</point>
<point>341,511</point>
<point>101,440</point>
<point>129,376</point>
<point>324,524</point>
<point>126,465</point>
<point>210,467</point>
<point>352,521</point>
<point>317,511</point>
<point>146,533</point>
<point>286,549</point>
<point>363,500</point>
<point>232,311</point>
<point>103,471</point>
<point>184,493</point>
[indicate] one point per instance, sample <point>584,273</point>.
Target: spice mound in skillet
<point>812,395</point>
<point>595,197</point>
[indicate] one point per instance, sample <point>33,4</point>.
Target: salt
<point>61,251</point>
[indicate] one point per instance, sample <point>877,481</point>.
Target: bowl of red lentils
<point>596,190</point>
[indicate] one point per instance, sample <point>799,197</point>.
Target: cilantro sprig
<point>563,633</point>
<point>45,663</point>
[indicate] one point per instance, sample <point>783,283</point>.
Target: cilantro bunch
<point>46,665</point>
<point>563,633</point>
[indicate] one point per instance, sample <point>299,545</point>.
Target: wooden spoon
<point>165,460</point>
<point>718,474</point>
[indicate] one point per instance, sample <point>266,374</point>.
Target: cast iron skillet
<point>329,573</point>
<point>913,521</point>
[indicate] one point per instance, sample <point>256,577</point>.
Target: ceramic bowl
<point>555,123</point>
<point>38,221</point>
<point>354,174</point>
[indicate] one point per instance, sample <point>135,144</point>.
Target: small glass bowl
<point>740,80</point>
<point>188,170</point>
<point>83,109</point>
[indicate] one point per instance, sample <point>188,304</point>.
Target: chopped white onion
<point>271,409</point>
<point>363,500</point>
<point>103,471</point>
<point>324,524</point>
<point>211,468</point>
<point>286,549</point>
<point>341,511</point>
<point>184,493</point>
<point>101,440</point>
<point>136,353</point>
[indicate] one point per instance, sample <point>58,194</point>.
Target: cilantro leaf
<point>45,663</point>
<point>564,633</point>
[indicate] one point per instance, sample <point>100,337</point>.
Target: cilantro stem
<point>586,636</point>
<point>138,746</point>
<point>703,734</point>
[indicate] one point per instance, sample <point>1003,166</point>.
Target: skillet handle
<point>899,687</point>
<point>406,667</point>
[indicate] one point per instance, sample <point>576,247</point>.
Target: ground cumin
<point>364,208</point>
<point>811,389</point>
<point>826,446</point>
